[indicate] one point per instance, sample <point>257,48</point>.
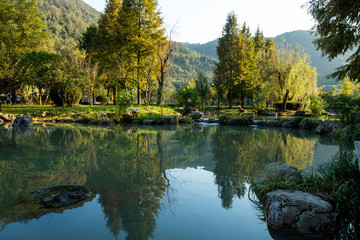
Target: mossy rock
<point>61,196</point>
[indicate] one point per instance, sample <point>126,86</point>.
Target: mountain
<point>300,38</point>
<point>208,48</point>
<point>186,63</point>
<point>67,20</point>
<point>323,66</point>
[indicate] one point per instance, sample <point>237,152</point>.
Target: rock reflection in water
<point>127,165</point>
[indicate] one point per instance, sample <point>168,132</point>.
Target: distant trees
<point>236,73</point>
<point>21,31</point>
<point>338,25</point>
<point>253,68</point>
<point>129,42</point>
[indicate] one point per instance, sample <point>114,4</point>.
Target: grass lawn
<point>84,112</point>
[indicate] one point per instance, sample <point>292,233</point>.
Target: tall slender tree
<point>226,51</point>
<point>142,31</point>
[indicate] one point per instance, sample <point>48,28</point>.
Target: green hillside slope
<point>67,20</point>
<point>186,63</point>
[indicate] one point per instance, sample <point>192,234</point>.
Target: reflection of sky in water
<point>116,163</point>
<point>195,212</point>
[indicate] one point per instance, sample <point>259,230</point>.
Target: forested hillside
<point>208,48</point>
<point>303,39</point>
<point>186,63</point>
<point>67,20</point>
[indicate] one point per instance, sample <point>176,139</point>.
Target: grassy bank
<point>82,113</point>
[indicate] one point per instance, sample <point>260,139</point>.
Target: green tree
<point>338,26</point>
<point>35,68</point>
<point>21,31</point>
<point>69,78</point>
<point>347,87</point>
<point>247,65</point>
<point>292,75</point>
<point>202,86</point>
<point>142,32</point>
<point>226,50</point>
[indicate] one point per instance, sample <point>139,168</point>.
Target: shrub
<point>123,102</point>
<point>316,105</point>
<point>346,107</point>
<point>187,97</point>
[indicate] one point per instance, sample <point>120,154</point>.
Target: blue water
<point>188,182</point>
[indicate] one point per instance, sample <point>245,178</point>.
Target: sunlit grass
<point>85,113</point>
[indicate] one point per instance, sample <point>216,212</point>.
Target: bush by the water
<point>123,102</point>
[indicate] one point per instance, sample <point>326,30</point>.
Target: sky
<point>201,21</point>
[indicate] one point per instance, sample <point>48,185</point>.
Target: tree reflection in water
<point>127,166</point>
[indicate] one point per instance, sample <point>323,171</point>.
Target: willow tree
<point>292,75</point>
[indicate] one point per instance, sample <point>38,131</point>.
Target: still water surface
<point>185,182</point>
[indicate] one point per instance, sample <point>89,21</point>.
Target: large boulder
<point>275,171</point>
<point>292,123</point>
<point>23,121</point>
<point>196,115</point>
<point>300,212</point>
<point>170,120</point>
<point>280,171</point>
<point>308,124</point>
<point>105,122</point>
<point>7,117</point>
<point>300,114</point>
<point>58,197</point>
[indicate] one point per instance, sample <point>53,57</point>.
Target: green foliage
<point>346,107</point>
<point>236,72</point>
<point>60,98</point>
<point>66,20</point>
<point>187,97</point>
<point>347,87</point>
<point>202,87</point>
<point>337,24</point>
<point>316,105</point>
<point>123,102</point>
<point>21,31</point>
<point>260,102</point>
<point>186,63</point>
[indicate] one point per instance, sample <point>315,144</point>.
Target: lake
<point>150,182</point>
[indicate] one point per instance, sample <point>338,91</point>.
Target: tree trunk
<point>285,100</point>
<point>230,98</point>
<point>160,92</point>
